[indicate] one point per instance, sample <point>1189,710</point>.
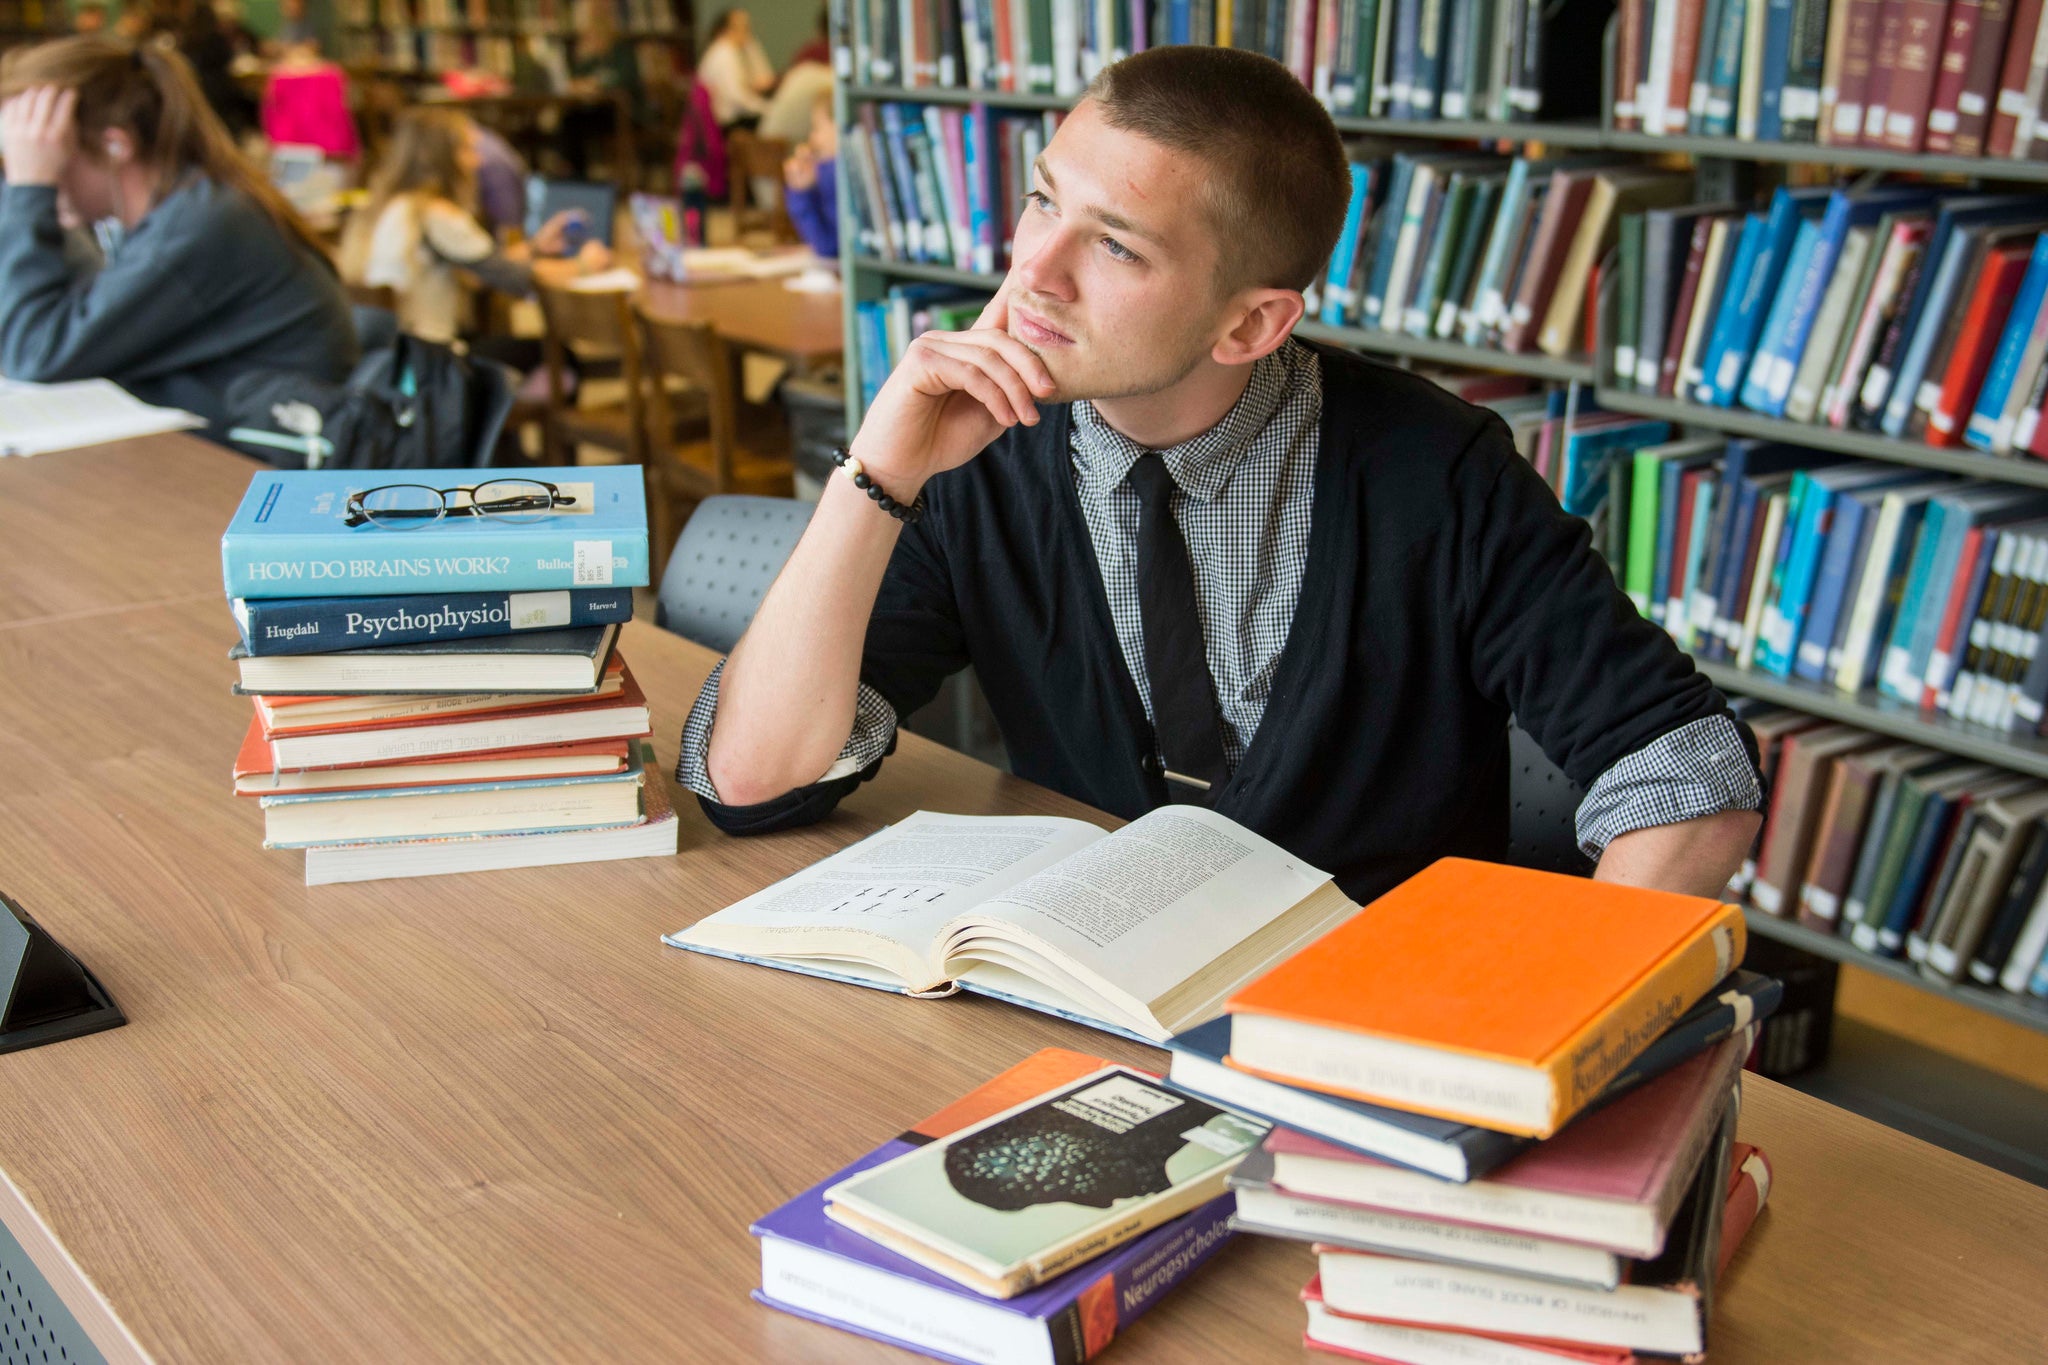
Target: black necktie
<point>1183,695</point>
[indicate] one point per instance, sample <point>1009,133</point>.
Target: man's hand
<point>37,134</point>
<point>950,395</point>
<point>553,237</point>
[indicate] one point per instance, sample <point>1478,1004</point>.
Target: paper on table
<point>36,419</point>
<point>619,280</point>
<point>708,263</point>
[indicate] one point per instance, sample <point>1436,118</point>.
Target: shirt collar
<point>1201,465</point>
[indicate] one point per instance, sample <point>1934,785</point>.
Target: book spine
<point>422,562</point>
<point>1920,42</point>
<point>2009,88</point>
<point>1806,50</point>
<point>321,624</point>
<point>1600,1051</point>
<point>1944,113</point>
<point>1080,1331</point>
<point>1844,127</point>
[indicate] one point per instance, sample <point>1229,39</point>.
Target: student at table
<point>734,69</point>
<point>810,182</point>
<point>206,272</point>
<point>1194,560</point>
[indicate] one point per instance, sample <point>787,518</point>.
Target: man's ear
<point>1265,317</point>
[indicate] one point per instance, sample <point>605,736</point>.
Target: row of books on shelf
<point>428,50</point>
<point>1904,852</point>
<point>1858,575</point>
<point>524,16</point>
<point>1885,309</point>
<point>434,676</point>
<point>939,185</point>
<point>1481,250</point>
<point>884,327</point>
<point>1583,1211</point>
<point>1401,59</point>
<point>1957,77</point>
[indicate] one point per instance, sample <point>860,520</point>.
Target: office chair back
<point>1543,807</point>
<point>729,552</point>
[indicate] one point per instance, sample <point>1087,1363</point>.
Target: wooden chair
<point>745,448</point>
<point>749,156</point>
<point>597,328</point>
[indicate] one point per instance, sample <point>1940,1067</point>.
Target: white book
<point>1653,95</point>
<point>1749,101</point>
<point>1828,327</point>
<point>1143,932</point>
<point>1699,327</point>
<point>1394,302</point>
<point>1760,581</point>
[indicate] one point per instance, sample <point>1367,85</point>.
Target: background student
<point>811,179</point>
<point>420,232</point>
<point>207,271</point>
<point>735,71</point>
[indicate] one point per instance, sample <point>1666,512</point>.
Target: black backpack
<point>411,405</point>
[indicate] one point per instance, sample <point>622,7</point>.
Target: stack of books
<point>434,673</point>
<point>1033,1219</point>
<point>1505,1105</point>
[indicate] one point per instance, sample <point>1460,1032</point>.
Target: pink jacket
<point>700,144</point>
<point>310,107</point>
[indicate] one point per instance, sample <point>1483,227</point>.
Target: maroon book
<point>1685,53</point>
<point>1884,61</point>
<point>1852,87</point>
<point>1922,27</point>
<point>1980,77</point>
<point>1562,209</point>
<point>2011,98</point>
<point>1628,65</point>
<point>1950,71</point>
<point>1682,306</point>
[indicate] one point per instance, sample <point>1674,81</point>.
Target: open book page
<point>1141,912</point>
<point>884,900</point>
<point>38,418</point>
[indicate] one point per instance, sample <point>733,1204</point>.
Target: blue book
<point>2005,362</point>
<point>871,334</point>
<point>1921,856</point>
<point>1715,615</point>
<point>1490,286</point>
<point>1898,649</point>
<point>290,537</point>
<point>1670,474</point>
<point>1805,283</point>
<point>1684,628</point>
<point>1180,21</point>
<point>1785,619</point>
<point>1757,389</point>
<point>1896,570</point>
<point>1770,123</point>
<point>1847,537</point>
<point>1739,268</point>
<point>980,163</point>
<point>1337,298</point>
<point>1393,212</point>
<point>896,150</point>
<point>1724,73</point>
<point>1913,635</point>
<point>1587,453</point>
<point>321,625</point>
<point>1942,668</point>
<point>1751,290</point>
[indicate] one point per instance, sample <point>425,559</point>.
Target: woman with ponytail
<point>207,271</point>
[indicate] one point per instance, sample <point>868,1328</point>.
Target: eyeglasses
<point>406,506</point>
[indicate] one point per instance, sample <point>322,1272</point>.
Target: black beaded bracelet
<point>912,512</point>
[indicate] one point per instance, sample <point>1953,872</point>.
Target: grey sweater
<point>204,288</point>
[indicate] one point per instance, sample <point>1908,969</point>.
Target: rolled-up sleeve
<point>1697,770</point>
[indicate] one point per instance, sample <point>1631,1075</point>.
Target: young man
<point>1192,559</point>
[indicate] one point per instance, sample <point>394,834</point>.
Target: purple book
<point>814,1268</point>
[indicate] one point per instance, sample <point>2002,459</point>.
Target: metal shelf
<point>2026,1011</point>
<point>934,274</point>
<point>2020,752</point>
<point>1478,130</point>
<point>1736,422</point>
<point>1813,154</point>
<point>948,94</point>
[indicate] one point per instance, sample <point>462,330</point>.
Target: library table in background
<point>491,1116</point>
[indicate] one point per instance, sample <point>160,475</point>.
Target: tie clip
<point>1172,776</point>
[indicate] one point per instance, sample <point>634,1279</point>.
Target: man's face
<point>1113,280</point>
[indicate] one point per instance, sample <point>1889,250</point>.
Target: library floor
<point>1939,1071</point>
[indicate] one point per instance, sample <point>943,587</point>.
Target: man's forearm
<point>1695,857</point>
<point>786,701</point>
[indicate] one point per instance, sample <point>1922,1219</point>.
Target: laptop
<point>599,202</point>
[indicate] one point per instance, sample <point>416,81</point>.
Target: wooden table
<point>493,1117</point>
<point>805,329</point>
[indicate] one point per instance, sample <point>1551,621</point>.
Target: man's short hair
<point>1281,183</point>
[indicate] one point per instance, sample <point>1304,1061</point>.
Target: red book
<point>1685,55</point>
<point>1681,537</point>
<point>1980,77</point>
<point>1682,306</point>
<point>1749,1187</point>
<point>1005,45</point>
<point>1983,324</point>
<point>255,777</point>
<point>1950,70</point>
<point>1923,25</point>
<point>1952,613</point>
<point>1859,46</point>
<point>1559,222</point>
<point>1628,64</point>
<point>2011,99</point>
<point>1884,61</point>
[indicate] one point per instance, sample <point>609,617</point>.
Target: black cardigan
<point>1445,590</point>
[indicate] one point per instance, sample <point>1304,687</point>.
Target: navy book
<point>1443,1147</point>
<point>321,625</point>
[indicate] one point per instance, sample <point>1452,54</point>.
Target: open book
<point>36,419</point>
<point>1143,932</point>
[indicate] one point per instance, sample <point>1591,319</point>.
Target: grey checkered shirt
<point>1246,498</point>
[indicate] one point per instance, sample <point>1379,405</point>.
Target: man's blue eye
<point>1118,251</point>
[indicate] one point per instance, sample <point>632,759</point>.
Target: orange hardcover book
<point>1490,995</point>
<point>254,775</point>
